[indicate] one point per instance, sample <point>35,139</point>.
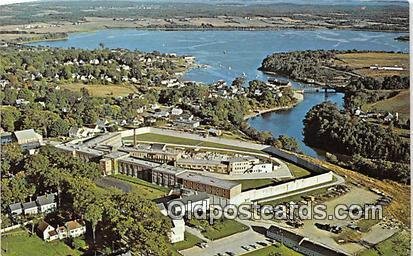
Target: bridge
<point>326,89</point>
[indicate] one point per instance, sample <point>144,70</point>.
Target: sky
<point>3,2</point>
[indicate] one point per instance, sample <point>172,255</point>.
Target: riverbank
<point>33,32</point>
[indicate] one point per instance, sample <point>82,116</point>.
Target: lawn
<point>20,243</point>
<point>146,189</point>
<point>397,245</point>
<point>151,137</point>
<point>399,103</point>
<point>297,171</point>
<point>220,229</point>
<point>101,90</point>
<point>272,250</point>
<point>250,184</point>
<point>190,241</point>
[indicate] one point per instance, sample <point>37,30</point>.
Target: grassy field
<point>190,241</point>
<point>273,250</point>
<point>249,184</point>
<point>221,228</point>
<point>297,171</point>
<point>19,243</point>
<point>183,141</point>
<point>399,103</point>
<point>361,62</point>
<point>146,189</point>
<point>101,90</point>
<point>397,245</point>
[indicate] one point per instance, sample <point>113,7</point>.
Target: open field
<point>151,137</point>
<point>146,189</point>
<point>220,229</point>
<point>19,242</point>
<point>399,103</point>
<point>101,90</point>
<point>190,241</point>
<point>273,250</point>
<point>297,171</point>
<point>361,62</point>
<point>398,244</point>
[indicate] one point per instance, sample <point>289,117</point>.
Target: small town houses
<point>73,228</point>
<point>43,204</point>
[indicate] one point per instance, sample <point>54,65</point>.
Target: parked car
<point>245,248</point>
<point>262,243</point>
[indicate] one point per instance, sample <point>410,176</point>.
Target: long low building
<point>301,244</point>
<point>221,191</point>
<point>234,165</point>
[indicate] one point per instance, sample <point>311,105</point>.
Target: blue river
<point>228,54</point>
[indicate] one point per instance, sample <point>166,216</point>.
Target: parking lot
<point>356,195</point>
<point>237,244</point>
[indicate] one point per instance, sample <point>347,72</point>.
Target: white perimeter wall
<point>291,186</point>
<point>167,132</point>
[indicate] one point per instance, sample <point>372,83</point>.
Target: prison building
<point>137,168</point>
<point>202,165</point>
<point>166,175</point>
<point>220,191</point>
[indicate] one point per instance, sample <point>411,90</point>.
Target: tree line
<point>380,149</point>
<point>117,219</point>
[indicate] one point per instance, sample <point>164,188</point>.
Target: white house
<point>75,228</point>
<point>28,136</point>
<point>176,111</point>
<point>47,202</point>
<point>16,209</point>
<point>46,231</point>
<point>30,208</point>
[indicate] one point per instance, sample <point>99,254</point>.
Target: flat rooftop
<point>198,161</point>
<point>168,169</point>
<point>116,154</point>
<point>137,161</point>
<point>215,182</point>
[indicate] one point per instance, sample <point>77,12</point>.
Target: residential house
<point>28,139</point>
<point>61,232</point>
<point>30,208</point>
<point>75,228</point>
<point>81,132</point>
<point>46,231</point>
<point>47,203</point>
<point>187,121</point>
<point>15,209</point>
<point>176,111</point>
<point>6,138</point>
